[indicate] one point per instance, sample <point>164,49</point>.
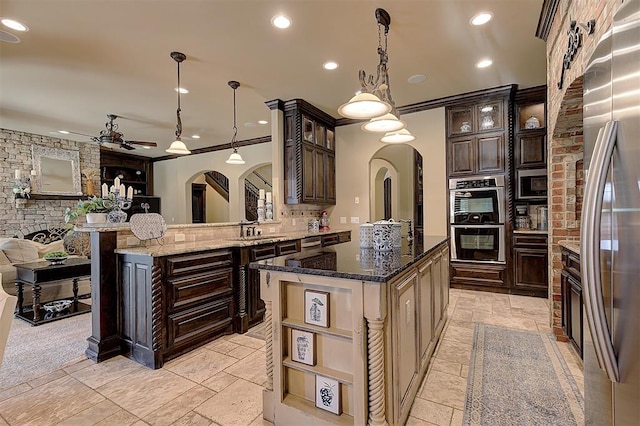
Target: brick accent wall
<point>15,153</point>
<point>564,110</point>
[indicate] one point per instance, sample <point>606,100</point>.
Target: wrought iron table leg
<point>36,302</point>
<point>20,292</point>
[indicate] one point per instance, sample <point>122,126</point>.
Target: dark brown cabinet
<point>476,137</point>
<point>571,288</point>
<point>530,264</point>
<point>133,170</point>
<point>530,132</point>
<point>309,154</point>
<point>251,307</point>
<point>171,305</point>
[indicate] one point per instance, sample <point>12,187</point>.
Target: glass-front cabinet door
<point>489,116</point>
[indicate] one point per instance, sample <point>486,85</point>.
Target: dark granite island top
<point>349,261</point>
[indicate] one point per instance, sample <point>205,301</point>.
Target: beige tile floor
<point>221,383</point>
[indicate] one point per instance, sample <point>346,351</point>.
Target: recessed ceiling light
<point>484,63</point>
<point>481,18</point>
<point>281,21</point>
<point>418,78</point>
<point>330,65</point>
<point>249,124</point>
<point>181,89</point>
<point>14,25</point>
<point>263,122</point>
<point>64,132</point>
<point>8,37</point>
<point>195,136</point>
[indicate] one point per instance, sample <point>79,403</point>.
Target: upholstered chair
<point>7,307</point>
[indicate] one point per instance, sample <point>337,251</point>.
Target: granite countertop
<point>349,261</point>
<point>229,242</point>
<point>572,245</point>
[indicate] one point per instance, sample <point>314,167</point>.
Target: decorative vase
<point>96,218</point>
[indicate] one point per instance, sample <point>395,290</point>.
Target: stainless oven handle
<point>452,244</point>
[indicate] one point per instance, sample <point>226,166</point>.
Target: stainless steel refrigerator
<point>610,233</point>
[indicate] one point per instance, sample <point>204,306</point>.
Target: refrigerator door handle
<point>590,248</point>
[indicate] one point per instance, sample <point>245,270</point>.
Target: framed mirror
<point>57,171</point>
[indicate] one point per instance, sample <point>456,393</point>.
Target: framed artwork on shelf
<point>316,308</point>
<point>303,347</point>
<point>328,395</point>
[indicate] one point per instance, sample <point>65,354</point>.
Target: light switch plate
<point>179,237</point>
<point>357,200</point>
<point>343,219</point>
<point>355,219</point>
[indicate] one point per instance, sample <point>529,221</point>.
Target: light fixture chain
<point>179,126</point>
<point>235,127</point>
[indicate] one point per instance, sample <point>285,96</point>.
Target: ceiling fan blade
<point>126,145</point>
<point>143,143</point>
<point>81,134</point>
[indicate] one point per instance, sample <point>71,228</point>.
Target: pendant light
<point>374,102</point>
<point>234,158</point>
<point>177,146</point>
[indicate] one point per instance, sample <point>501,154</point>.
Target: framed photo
<point>316,308</point>
<point>328,395</point>
<point>303,347</point>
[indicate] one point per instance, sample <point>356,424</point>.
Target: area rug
<point>32,352</point>
<point>519,378</point>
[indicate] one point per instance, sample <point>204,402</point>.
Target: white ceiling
<point>82,59</point>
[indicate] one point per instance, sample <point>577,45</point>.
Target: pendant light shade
<point>234,158</point>
<point>363,106</point>
<point>400,136</point>
<point>383,124</point>
<point>177,146</point>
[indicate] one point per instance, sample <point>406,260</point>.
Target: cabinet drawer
<point>344,237</point>
<point>194,289</point>
<point>571,263</point>
<point>288,247</point>
<point>200,262</point>
<point>262,252</point>
<point>530,240</point>
<point>200,323</point>
<point>329,240</point>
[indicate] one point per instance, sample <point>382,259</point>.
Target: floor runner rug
<point>519,378</point>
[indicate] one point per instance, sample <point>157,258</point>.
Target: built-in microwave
<point>531,184</point>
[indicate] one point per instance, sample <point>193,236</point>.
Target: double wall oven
<point>477,211</point>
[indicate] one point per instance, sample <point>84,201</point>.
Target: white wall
<point>354,150</point>
<point>172,180</point>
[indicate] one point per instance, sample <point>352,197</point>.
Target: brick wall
<point>15,153</point>
<point>564,109</point>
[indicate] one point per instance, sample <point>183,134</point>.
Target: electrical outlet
<point>357,200</point>
<point>355,219</point>
<point>179,237</point>
<point>343,220</point>
<point>293,222</point>
<point>272,230</point>
<point>132,241</point>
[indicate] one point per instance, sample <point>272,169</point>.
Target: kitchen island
<point>155,302</point>
<point>350,331</point>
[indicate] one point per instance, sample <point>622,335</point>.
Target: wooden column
<point>104,342</point>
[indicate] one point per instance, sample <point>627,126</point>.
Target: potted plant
<point>95,209</point>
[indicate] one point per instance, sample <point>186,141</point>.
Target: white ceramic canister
<point>382,235</point>
<point>367,259</point>
<point>366,235</point>
<point>396,233</point>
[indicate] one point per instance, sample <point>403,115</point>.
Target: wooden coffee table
<point>37,274</point>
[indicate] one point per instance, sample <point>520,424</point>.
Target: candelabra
<point>117,203</point>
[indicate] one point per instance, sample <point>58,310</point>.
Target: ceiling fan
<point>111,135</point>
